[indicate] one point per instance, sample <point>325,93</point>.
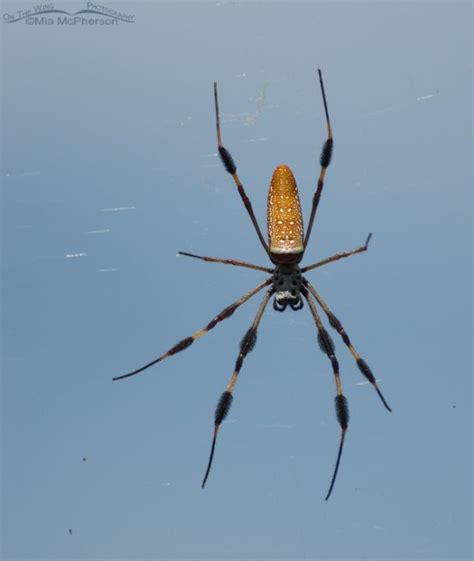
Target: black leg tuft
<point>326,344</point>
<point>326,153</point>
<point>223,407</point>
<point>184,344</point>
<point>342,411</point>
<point>366,371</point>
<point>248,342</point>
<point>227,160</point>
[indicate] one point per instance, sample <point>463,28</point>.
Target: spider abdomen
<point>284,218</point>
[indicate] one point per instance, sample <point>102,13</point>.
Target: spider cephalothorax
<point>287,281</point>
<point>286,245</point>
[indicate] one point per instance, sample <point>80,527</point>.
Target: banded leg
<point>185,343</point>
<point>234,262</point>
<point>324,160</point>
<point>338,256</point>
<point>336,324</point>
<point>225,401</point>
<point>342,411</point>
<point>231,168</point>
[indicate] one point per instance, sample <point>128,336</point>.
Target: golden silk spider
<point>286,245</point>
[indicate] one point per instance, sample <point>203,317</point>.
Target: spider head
<point>284,298</point>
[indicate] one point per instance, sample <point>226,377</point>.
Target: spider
<point>286,245</point>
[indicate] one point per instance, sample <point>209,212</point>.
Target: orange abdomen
<point>284,218</point>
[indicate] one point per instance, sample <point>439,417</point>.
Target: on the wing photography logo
<point>48,14</point>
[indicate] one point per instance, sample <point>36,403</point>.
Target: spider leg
<point>324,160</point>
<point>185,343</point>
<point>231,168</point>
<point>359,249</point>
<point>225,401</point>
<point>234,262</point>
<point>336,324</point>
<point>342,411</point>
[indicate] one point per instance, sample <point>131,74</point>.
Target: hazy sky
<point>110,168</point>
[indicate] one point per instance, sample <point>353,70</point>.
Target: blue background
<point>110,168</point>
